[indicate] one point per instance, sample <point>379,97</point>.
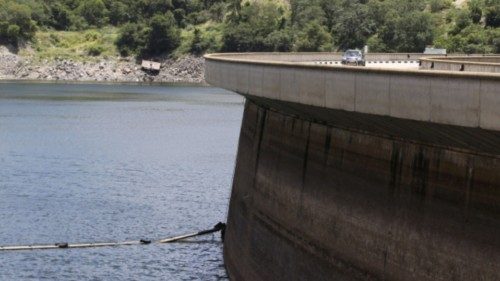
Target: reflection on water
<point>85,162</point>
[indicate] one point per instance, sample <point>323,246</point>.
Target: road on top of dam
<point>409,65</point>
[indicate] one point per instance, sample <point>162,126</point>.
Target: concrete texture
<point>372,93</point>
<point>311,93</point>
<point>490,105</point>
<point>340,90</point>
<point>489,64</point>
<point>288,85</point>
<point>455,101</point>
<point>353,173</point>
<point>313,201</point>
<point>453,97</point>
<point>411,98</point>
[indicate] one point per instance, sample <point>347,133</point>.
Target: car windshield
<point>352,54</point>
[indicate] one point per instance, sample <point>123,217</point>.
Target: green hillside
<point>149,28</point>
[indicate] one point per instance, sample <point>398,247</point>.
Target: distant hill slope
<point>89,29</point>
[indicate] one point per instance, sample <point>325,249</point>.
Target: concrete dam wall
<point>488,64</point>
<point>323,192</point>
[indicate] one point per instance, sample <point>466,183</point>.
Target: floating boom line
<point>218,227</point>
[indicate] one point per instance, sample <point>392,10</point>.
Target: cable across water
<point>218,227</point>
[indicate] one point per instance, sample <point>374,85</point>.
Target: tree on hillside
<point>164,36</point>
<point>132,39</point>
<point>257,22</point>
<point>239,38</point>
<point>234,9</point>
<point>439,5</point>
<point>409,33</point>
<point>146,26</point>
<point>332,10</point>
<point>405,7</point>
<point>476,13</point>
<point>118,13</point>
<point>197,46</point>
<point>217,11</point>
<point>376,45</point>
<point>279,41</point>
<point>16,24</point>
<point>314,37</point>
<point>353,28</point>
<point>93,11</point>
<point>495,40</point>
<point>493,16</point>
<point>40,11</point>
<point>61,17</point>
<point>306,11</point>
<point>413,32</point>
<point>463,19</point>
<point>149,8</point>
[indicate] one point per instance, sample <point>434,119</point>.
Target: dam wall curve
<point>488,64</point>
<point>347,173</point>
<point>447,97</point>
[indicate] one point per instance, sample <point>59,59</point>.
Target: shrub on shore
<point>174,27</point>
<point>95,50</point>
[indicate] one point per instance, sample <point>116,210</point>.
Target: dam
<point>364,173</point>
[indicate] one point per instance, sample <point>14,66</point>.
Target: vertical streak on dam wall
<point>316,201</point>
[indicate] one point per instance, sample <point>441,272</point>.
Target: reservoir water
<point>82,163</point>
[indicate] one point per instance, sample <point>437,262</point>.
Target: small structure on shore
<point>151,66</point>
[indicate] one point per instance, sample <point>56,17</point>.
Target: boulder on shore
<point>188,69</point>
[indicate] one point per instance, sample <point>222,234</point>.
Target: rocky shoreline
<point>188,69</point>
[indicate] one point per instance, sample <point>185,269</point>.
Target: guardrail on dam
<point>489,64</point>
<point>353,173</point>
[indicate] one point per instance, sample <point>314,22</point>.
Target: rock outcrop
<point>188,69</point>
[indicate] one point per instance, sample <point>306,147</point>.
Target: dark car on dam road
<point>353,57</point>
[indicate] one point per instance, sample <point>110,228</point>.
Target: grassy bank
<point>95,44</point>
<point>88,45</point>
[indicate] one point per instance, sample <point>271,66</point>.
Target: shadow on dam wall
<point>315,199</point>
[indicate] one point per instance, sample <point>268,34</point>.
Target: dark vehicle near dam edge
<point>363,173</point>
<point>353,57</point>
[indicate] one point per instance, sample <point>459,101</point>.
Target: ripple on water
<point>151,163</point>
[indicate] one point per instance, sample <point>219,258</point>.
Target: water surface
<point>83,162</point>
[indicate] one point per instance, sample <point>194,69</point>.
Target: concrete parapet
<point>445,97</point>
<point>488,64</point>
<point>321,56</point>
